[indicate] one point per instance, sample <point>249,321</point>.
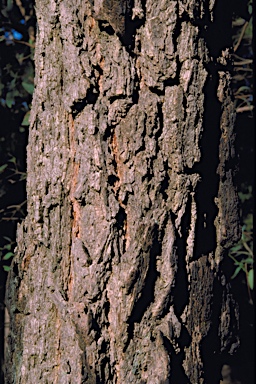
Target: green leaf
<point>250,279</point>
<point>245,195</point>
<point>9,100</point>
<point>242,253</point>
<point>12,84</point>
<point>249,260</point>
<point>8,247</point>
<point>243,237</point>
<point>28,87</point>
<point>20,57</point>
<point>8,255</point>
<point>238,22</point>
<point>6,268</point>
<point>25,120</point>
<point>238,269</point>
<point>12,160</point>
<point>248,31</point>
<point>243,88</point>
<point>7,9</point>
<point>236,248</point>
<point>249,222</point>
<point>3,167</point>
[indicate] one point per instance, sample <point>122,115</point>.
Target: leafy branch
<point>243,256</point>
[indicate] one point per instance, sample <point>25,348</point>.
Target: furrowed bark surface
<point>131,206</point>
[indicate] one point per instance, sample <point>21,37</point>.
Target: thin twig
<point>246,108</point>
<point>244,62</point>
<point>24,42</point>
<point>18,206</point>
<point>241,36</point>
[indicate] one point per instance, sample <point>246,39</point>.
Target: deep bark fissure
<point>211,344</point>
<point>207,190</point>
<point>146,296</point>
<point>180,293</point>
<point>131,25</point>
<point>177,374</point>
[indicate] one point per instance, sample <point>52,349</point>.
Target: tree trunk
<point>117,276</point>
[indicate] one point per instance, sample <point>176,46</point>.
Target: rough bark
<point>117,276</point>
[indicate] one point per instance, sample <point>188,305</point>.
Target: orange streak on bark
<point>120,169</point>
<point>75,170</point>
<point>92,23</point>
<point>58,352</point>
<point>75,229</point>
<point>101,79</point>
<point>75,204</point>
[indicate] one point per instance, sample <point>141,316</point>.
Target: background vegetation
<point>17,39</point>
